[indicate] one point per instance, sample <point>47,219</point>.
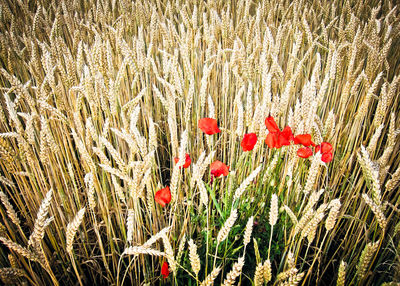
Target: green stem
<point>270,240</point>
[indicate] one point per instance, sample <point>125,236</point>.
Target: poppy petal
<point>209,126</point>
<point>304,152</point>
<point>165,270</point>
<point>271,124</point>
<point>327,157</point>
<point>248,141</point>
<point>163,196</point>
<point>326,147</point>
<point>285,136</point>
<point>188,161</point>
<point>303,139</point>
<point>218,168</point>
<point>272,140</point>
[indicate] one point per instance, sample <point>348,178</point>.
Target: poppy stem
<point>215,255</point>
<point>207,230</point>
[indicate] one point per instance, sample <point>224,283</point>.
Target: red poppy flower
<point>285,137</point>
<point>271,124</point>
<point>218,168</point>
<point>163,196</point>
<point>209,126</point>
<point>165,270</point>
<point>326,150</point>
<point>248,141</point>
<point>303,139</point>
<point>304,152</point>
<point>188,161</point>
<point>272,140</point>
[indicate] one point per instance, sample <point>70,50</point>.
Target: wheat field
<point>141,142</point>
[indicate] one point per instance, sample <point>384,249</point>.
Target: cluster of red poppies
<point>275,139</point>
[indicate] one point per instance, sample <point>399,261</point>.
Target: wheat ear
<point>224,231</point>
<point>10,209</point>
<point>342,274</point>
<point>273,217</point>
<point>72,228</point>
<point>211,277</point>
<point>365,259</point>
<point>234,273</point>
<point>41,222</point>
